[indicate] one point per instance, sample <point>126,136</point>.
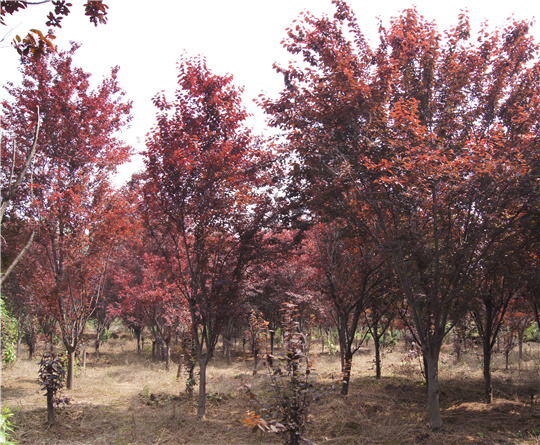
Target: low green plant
<point>7,427</point>
<point>105,335</point>
<point>332,347</point>
<point>8,334</point>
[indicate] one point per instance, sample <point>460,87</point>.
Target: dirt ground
<point>125,398</point>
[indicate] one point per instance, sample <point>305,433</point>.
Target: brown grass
<point>125,398</point>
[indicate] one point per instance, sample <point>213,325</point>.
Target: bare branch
<point>16,260</point>
<point>13,188</point>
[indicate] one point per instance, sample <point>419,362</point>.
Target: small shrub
<point>52,372</point>
<point>291,379</point>
<point>333,349</point>
<point>105,335</point>
<point>8,333</point>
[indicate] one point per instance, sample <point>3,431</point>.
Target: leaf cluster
<point>9,334</point>
<point>52,372</point>
<point>36,43</point>
<point>6,427</point>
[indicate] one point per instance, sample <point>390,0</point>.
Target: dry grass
<point>123,398</point>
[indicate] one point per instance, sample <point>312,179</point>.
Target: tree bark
<point>138,333</point>
<point>168,355</point>
<point>227,349</point>
<point>377,343</point>
<point>51,420</point>
<point>71,368</point>
<point>346,373</point>
<point>201,405</point>
<point>272,335</point>
<point>256,362</point>
<point>431,358</point>
<point>488,385</point>
<point>180,364</point>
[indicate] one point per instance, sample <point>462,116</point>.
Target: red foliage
<point>201,199</point>
<point>426,142</point>
<point>80,218</point>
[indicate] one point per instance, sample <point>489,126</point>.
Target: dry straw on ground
<point>125,398</point>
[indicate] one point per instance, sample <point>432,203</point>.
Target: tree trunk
<point>97,344</point>
<point>521,334</point>
<point>138,333</point>
<point>424,360</point>
<point>457,348</point>
<point>201,406</point>
<point>488,385</point>
<point>191,378</point>
<point>272,335</point>
<point>180,364</point>
<point>431,358</point>
<point>51,420</point>
<point>256,362</point>
<point>376,341</point>
<point>346,373</point>
<point>227,345</point>
<point>168,355</point>
<point>70,368</point>
<point>19,340</point>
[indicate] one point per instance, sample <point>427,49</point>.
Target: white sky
<point>241,37</point>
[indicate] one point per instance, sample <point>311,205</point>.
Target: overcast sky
<point>240,37</point>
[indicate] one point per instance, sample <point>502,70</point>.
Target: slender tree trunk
<point>71,367</point>
<point>431,358</point>
<point>376,341</point>
<point>255,362</point>
<point>191,378</point>
<point>180,364</point>
<point>488,385</point>
<point>51,420</point>
<point>272,337</point>
<point>425,362</point>
<point>97,344</point>
<point>227,349</point>
<point>521,334</point>
<point>346,372</point>
<point>168,355</point>
<point>19,338</point>
<point>138,333</point>
<point>487,334</point>
<point>201,406</point>
<point>224,341</point>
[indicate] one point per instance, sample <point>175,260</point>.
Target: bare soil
<point>125,398</point>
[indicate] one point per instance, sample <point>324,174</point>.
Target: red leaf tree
<point>203,204</point>
<point>80,218</point>
<point>349,275</point>
<point>432,135</point>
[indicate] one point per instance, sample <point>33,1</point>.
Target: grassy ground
<point>125,398</point>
